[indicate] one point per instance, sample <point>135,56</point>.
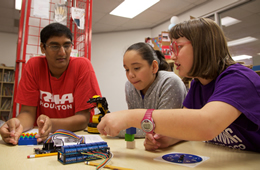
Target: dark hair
<point>149,54</point>
<point>54,29</point>
<point>210,51</point>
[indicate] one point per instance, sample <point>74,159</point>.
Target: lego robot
<point>103,108</point>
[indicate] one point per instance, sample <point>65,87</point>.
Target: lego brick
<point>130,144</point>
<point>27,139</point>
<point>129,137</point>
<point>131,130</point>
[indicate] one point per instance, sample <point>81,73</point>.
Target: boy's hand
<point>11,131</point>
<point>44,127</point>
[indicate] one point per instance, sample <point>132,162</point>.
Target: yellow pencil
<point>107,166</point>
<point>42,155</point>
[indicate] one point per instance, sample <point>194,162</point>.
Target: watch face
<point>147,125</point>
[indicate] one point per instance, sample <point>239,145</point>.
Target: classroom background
<point>110,38</point>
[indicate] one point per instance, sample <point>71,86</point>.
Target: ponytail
<point>163,65</point>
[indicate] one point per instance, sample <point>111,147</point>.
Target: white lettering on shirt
<point>48,100</point>
<point>226,139</point>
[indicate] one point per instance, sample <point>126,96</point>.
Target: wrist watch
<point>147,123</point>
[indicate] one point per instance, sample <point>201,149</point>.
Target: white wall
<point>8,45</point>
<point>107,59</point>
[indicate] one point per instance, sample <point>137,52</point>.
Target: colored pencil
<point>42,155</point>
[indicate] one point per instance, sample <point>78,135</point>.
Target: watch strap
<point>148,114</point>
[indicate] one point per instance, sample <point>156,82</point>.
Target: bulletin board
<point>162,43</point>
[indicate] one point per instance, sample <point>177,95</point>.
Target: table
<point>15,157</point>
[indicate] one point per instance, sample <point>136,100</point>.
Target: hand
<point>157,141</point>
<point>112,123</point>
<point>11,131</point>
<point>44,127</point>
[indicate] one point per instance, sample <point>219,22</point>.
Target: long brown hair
<point>210,51</point>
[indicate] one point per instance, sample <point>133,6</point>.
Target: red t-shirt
<point>62,97</point>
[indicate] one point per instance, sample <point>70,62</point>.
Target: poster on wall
<point>165,43</point>
<point>162,43</point>
<point>153,42</point>
<point>60,14</point>
<point>78,16</point>
<point>41,8</point>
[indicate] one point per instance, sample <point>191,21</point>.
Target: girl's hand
<point>112,123</point>
<point>157,141</point>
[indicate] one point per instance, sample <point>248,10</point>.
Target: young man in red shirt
<point>54,89</point>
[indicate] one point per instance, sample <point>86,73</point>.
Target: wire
<point>65,133</point>
<point>105,162</point>
<point>101,155</point>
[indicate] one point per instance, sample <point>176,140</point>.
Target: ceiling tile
<point>105,6</point>
<point>6,13</point>
<point>243,14</point>
<point>8,3</point>
<point>96,16</point>
<point>252,6</point>
<point>99,27</point>
<point>151,16</point>
<point>135,24</point>
<point>196,2</point>
<point>113,20</point>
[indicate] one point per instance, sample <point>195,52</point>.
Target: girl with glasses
<point>222,106</point>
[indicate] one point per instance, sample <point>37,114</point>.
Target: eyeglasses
<point>175,48</point>
<point>57,47</point>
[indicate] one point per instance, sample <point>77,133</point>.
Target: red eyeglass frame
<point>176,45</point>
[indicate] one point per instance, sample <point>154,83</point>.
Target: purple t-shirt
<point>238,86</point>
